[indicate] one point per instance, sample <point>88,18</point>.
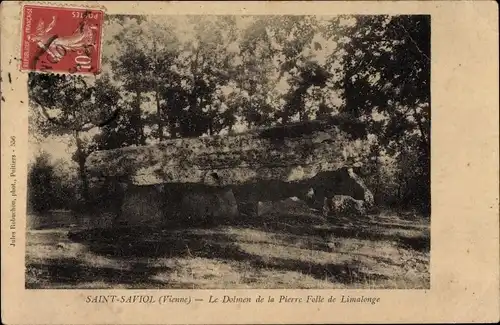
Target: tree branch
<point>414,42</point>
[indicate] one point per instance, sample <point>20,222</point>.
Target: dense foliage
<point>51,185</point>
<point>223,74</point>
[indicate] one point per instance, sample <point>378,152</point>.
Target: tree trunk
<point>158,114</point>
<point>136,120</point>
<point>81,157</point>
<point>193,96</point>
<point>350,93</point>
<point>157,95</point>
<point>425,140</point>
<point>210,128</point>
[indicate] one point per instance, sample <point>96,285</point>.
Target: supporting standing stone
<point>209,206</point>
<point>343,205</point>
<point>142,205</point>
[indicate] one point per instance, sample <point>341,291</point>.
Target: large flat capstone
<point>288,153</point>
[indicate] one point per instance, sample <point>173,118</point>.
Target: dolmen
<point>222,178</point>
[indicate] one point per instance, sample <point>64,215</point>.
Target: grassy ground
<point>381,251</point>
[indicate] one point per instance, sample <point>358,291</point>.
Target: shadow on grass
<point>129,244</point>
<point>358,229</point>
<point>70,271</point>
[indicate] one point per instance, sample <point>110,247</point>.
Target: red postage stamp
<point>61,40</point>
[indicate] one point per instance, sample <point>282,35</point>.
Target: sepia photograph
<point>228,151</point>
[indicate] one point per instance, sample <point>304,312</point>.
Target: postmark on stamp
<point>61,39</point>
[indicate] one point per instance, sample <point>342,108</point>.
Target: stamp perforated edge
<point>62,5</point>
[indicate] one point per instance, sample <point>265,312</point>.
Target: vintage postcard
<point>249,162</point>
